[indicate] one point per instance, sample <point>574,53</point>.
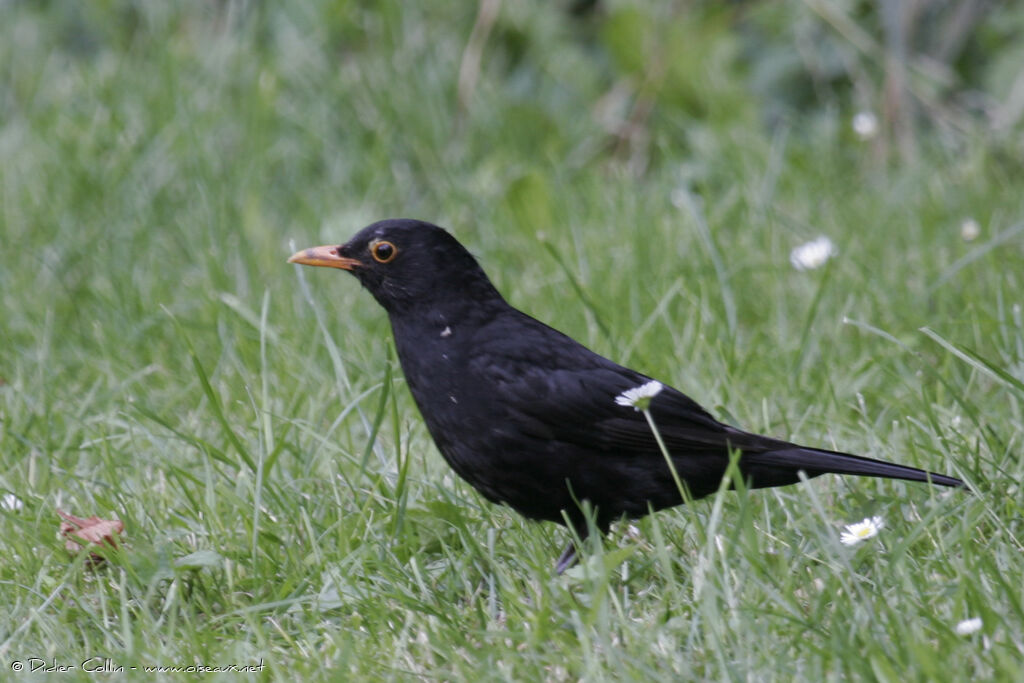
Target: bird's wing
<point>580,408</point>
<point>554,388</point>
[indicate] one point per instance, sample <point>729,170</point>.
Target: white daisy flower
<point>968,626</point>
<point>969,230</point>
<point>9,501</point>
<point>639,398</point>
<point>861,531</point>
<point>865,124</point>
<point>813,254</point>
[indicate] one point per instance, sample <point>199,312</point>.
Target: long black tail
<point>815,462</point>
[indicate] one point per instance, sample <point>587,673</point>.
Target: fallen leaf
<point>91,530</point>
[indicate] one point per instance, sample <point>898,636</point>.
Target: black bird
<point>528,416</point>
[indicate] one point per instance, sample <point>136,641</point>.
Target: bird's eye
<point>383,252</point>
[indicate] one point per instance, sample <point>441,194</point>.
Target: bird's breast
<point>433,359</point>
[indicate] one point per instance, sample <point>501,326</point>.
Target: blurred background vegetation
<point>339,112</point>
<point>635,173</point>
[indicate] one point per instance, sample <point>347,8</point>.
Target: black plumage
<point>528,416</point>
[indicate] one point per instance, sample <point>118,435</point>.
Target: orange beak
<point>327,256</point>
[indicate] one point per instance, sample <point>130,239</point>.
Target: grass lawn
<point>247,420</point>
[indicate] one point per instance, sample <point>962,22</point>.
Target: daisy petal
<point>968,626</point>
<point>861,531</point>
<point>639,398</point>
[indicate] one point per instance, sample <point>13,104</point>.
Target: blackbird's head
<point>406,264</point>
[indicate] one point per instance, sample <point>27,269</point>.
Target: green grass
<point>247,420</point>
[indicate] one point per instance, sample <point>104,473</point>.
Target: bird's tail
<point>815,461</point>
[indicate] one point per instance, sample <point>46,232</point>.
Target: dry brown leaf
<point>90,530</point>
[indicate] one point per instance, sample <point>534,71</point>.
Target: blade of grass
<point>976,361</point>
<point>213,398</point>
<point>683,199</point>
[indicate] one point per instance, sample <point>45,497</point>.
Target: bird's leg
<point>576,521</point>
<point>580,530</point>
<point>567,559</point>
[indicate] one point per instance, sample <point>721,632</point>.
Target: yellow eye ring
<point>383,251</point>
